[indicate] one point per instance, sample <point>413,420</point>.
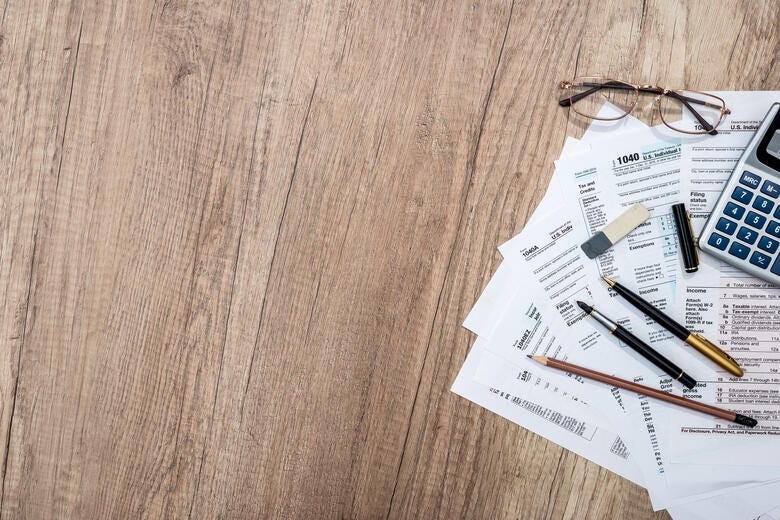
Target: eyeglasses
<point>587,95</point>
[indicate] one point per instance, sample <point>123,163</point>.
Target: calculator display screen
<point>773,148</point>
<point>768,150</point>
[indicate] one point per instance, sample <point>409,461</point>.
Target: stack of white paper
<point>691,464</point>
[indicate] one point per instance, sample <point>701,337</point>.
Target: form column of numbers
<point>749,329</point>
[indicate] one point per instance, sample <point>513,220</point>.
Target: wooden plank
<point>132,282</point>
<point>383,165</point>
<point>37,58</point>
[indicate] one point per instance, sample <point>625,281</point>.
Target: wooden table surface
<point>239,240</point>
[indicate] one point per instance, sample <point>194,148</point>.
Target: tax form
<point>739,312</point>
<point>539,315</point>
<point>568,424</point>
<point>608,181</point>
<point>742,314</point>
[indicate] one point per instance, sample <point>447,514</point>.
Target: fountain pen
<point>697,341</point>
<point>639,346</point>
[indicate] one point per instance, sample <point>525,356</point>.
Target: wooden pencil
<point>646,390</point>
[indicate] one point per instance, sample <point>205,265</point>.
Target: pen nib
<point>609,281</point>
<point>585,307</point>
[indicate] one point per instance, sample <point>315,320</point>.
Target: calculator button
<point>750,179</point>
<point>742,195</point>
<point>747,235</point>
<point>726,225</point>
<point>718,241</point>
<point>771,189</point>
<point>763,205</point>
<point>773,229</point>
<point>768,244</point>
<point>776,266</point>
<point>739,250</point>
<point>755,220</point>
<point>734,211</point>
<point>759,259</point>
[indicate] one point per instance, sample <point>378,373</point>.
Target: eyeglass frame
<point>651,89</point>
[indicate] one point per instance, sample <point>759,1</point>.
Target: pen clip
<point>694,240</point>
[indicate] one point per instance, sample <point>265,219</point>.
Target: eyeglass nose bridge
<point>659,90</point>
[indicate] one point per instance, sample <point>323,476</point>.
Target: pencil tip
<point>539,359</point>
<point>529,356</point>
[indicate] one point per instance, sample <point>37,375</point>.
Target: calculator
<point>744,227</point>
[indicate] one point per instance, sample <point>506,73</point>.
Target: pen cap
<point>685,238</point>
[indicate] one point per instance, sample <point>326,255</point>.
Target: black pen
<point>640,346</point>
<point>697,341</point>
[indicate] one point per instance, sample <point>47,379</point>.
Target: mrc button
<point>750,179</point>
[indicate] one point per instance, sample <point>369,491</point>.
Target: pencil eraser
<point>613,232</point>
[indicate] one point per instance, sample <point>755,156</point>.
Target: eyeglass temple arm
<point>566,102</point>
<point>595,87</point>
<point>685,100</point>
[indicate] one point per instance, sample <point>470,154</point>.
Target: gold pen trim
<point>714,353</point>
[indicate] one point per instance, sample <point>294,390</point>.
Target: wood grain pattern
<point>238,241</point>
